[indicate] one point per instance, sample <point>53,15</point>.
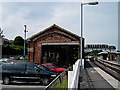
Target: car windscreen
<point>44,68</point>
<point>50,66</point>
<point>56,66</point>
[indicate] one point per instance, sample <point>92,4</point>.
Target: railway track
<point>111,68</point>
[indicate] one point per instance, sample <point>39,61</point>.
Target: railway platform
<point>95,78</point>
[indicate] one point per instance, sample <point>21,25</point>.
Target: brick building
<point>54,45</point>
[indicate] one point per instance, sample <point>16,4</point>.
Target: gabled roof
<point>53,26</point>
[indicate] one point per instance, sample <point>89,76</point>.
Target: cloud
<point>67,16</point>
<point>61,14</point>
<point>99,21</point>
<point>13,22</point>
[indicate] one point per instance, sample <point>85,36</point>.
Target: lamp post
<point>1,31</point>
<point>25,39</point>
<point>90,3</point>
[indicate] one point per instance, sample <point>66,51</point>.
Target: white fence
<point>74,76</point>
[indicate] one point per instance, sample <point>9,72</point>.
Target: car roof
<point>18,61</point>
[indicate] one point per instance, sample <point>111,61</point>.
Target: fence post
<point>70,79</point>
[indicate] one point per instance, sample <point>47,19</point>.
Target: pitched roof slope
<point>53,26</point>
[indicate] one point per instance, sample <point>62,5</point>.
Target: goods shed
<point>54,45</point>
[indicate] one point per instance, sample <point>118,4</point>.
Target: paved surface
<point>92,79</point>
<point>111,80</point>
<point>115,62</point>
<point>84,83</point>
<point>22,86</point>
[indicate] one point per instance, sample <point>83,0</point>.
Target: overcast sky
<point>100,21</point>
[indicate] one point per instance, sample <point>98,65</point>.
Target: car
<point>3,60</point>
<point>45,68</point>
<point>54,67</point>
<point>24,71</point>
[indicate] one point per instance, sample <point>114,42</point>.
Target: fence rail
<point>73,76</point>
<point>55,81</point>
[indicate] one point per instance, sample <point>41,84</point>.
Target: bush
<point>17,57</point>
<point>25,59</point>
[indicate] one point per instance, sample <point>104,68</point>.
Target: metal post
<point>81,29</point>
<point>24,40</point>
<point>1,31</point>
<point>0,46</point>
<point>90,3</point>
<point>81,65</point>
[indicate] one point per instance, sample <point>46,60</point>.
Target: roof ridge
<point>54,25</point>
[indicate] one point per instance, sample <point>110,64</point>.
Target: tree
<point>95,52</point>
<point>19,41</point>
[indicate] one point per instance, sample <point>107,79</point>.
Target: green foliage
<point>25,59</point>
<point>95,52</point>
<point>12,50</point>
<point>64,84</point>
<point>16,48</point>
<point>19,41</point>
<point>17,58</point>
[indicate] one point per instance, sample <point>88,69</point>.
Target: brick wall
<point>35,52</point>
<point>51,35</point>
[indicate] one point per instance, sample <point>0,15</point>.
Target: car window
<point>3,61</point>
<point>50,66</point>
<point>31,64</point>
<point>7,67</point>
<point>19,67</point>
<point>44,68</point>
<point>31,67</point>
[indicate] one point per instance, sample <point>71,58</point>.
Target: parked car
<point>3,60</point>
<point>54,68</point>
<point>47,69</point>
<point>23,71</point>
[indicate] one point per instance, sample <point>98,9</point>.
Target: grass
<point>63,84</point>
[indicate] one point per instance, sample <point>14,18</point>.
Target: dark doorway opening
<point>61,55</point>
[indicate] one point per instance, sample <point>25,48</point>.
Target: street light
<point>90,3</point>
<point>1,36</point>
<point>25,39</point>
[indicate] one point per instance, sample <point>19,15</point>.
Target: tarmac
<point>96,79</point>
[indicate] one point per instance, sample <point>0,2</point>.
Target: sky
<point>100,21</point>
<point>119,26</point>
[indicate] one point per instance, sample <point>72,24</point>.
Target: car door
<point>31,72</point>
<point>17,71</point>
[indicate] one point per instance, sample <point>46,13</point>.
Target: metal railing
<point>73,76</point>
<point>55,81</point>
